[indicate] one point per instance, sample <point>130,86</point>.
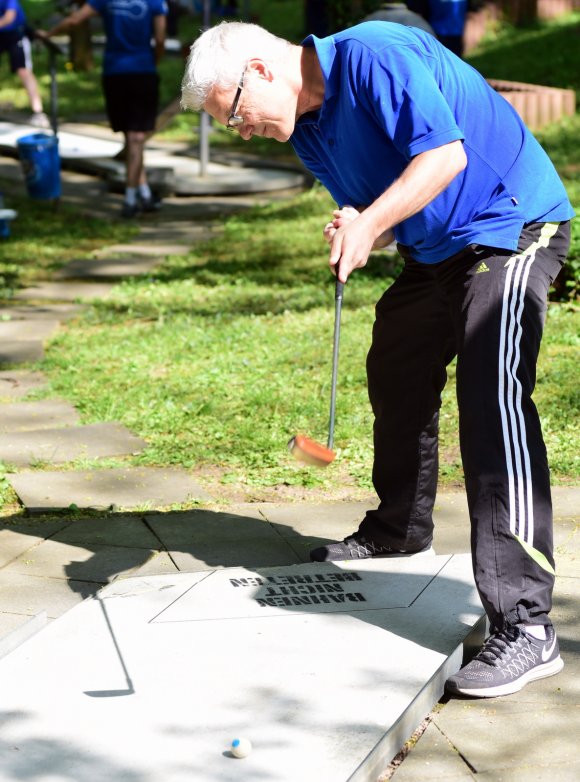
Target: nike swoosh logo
<point>547,652</point>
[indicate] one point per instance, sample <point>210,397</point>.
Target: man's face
<point>264,105</point>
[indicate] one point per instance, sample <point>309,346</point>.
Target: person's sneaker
<point>356,546</point>
<point>129,211</point>
<point>507,661</point>
<point>39,120</point>
<point>149,204</point>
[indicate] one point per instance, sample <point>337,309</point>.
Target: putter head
<point>310,452</point>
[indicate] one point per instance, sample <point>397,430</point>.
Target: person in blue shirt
<point>447,18</point>
<point>14,40</point>
<point>415,146</point>
<point>130,80</point>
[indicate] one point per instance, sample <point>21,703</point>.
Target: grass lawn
<point>223,354</point>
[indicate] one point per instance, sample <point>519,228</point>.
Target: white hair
<point>218,57</point>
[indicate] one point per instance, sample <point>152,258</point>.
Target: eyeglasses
<point>234,121</point>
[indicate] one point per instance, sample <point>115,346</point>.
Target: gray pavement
<point>52,563</point>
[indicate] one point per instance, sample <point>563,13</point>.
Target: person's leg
<point>135,141</point>
<point>30,84</point>
<point>20,53</point>
<point>500,306</point>
<point>412,343</point>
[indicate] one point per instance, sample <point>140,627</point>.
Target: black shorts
<point>132,100</point>
<point>17,45</point>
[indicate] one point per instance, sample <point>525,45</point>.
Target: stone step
<point>45,311</point>
<point>64,291</point>
<point>34,329</point>
<point>106,268</point>
<point>43,414</point>
<point>21,351</point>
<point>57,446</point>
<point>14,384</point>
<point>132,487</point>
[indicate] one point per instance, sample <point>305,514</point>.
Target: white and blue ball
<point>240,747</point>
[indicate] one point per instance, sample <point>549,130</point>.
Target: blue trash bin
<point>41,164</point>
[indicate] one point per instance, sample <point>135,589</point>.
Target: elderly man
<point>412,143</point>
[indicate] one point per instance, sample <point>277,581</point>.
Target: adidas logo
<point>483,267</point>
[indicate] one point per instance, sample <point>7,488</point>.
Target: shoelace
<point>496,645</point>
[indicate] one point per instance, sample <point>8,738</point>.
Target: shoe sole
<point>539,672</point>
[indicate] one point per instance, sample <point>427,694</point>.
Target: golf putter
<point>301,447</point>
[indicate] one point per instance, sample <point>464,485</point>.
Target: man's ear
<point>261,68</point>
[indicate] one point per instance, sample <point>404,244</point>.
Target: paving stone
<point>205,526</point>
<point>118,530</point>
<point>232,553</point>
<point>138,487</point>
<point>64,291</point>
<point>21,351</point>
<point>107,268</point>
<point>17,538</point>
<point>27,329</point>
<point>14,384</point>
<point>200,540</point>
<point>41,311</point>
<point>56,446</point>
<point>89,562</point>
<point>44,414</point>
<point>151,248</point>
<point>159,563</point>
<point>27,594</point>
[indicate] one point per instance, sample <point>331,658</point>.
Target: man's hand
<point>346,242</point>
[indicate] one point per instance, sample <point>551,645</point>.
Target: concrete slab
<point>56,446</point>
<point>44,414</point>
<point>17,383</point>
<point>21,351</point>
<point>117,530</point>
<point>18,537</point>
<point>75,562</point>
<point>25,594</point>
<point>106,269</point>
<point>144,488</point>
<point>70,145</point>
<point>52,311</point>
<point>203,540</point>
<point>27,329</point>
<point>64,291</point>
<point>149,689</point>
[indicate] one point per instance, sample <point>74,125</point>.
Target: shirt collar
<point>326,53</point>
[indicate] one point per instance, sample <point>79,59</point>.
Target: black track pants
<point>488,307</point>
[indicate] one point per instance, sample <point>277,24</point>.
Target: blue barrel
<point>41,164</point>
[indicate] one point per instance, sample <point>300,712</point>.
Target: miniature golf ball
<point>241,748</point>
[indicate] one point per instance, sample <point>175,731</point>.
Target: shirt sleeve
<point>401,92</point>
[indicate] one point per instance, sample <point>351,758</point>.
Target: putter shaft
<point>337,314</point>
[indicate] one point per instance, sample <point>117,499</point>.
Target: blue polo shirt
<point>393,92</point>
<point>12,5</point>
<point>129,29</point>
